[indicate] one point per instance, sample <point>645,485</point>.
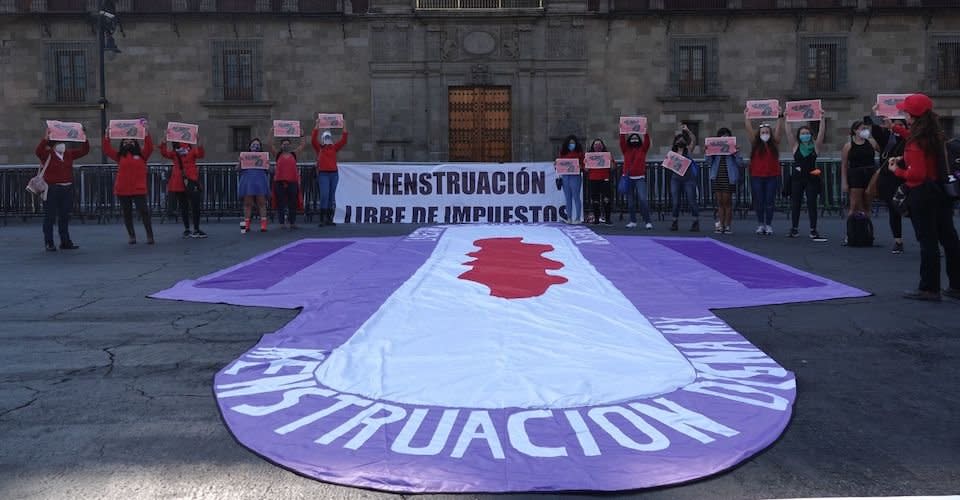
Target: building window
<point>823,65</point>
<point>240,138</point>
<point>948,64</point>
<point>68,78</point>
<point>237,70</point>
<point>947,123</point>
<point>694,67</point>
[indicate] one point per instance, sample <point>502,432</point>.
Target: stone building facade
<point>490,80</point>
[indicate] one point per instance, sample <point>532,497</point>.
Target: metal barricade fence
<point>94,199</point>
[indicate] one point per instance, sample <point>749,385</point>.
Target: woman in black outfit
<point>805,178</point>
<point>857,165</point>
<point>891,145</point>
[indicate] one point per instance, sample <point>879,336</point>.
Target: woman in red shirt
<point>286,181</point>
<point>572,184</point>
<point>598,185</point>
<point>131,184</point>
<point>635,151</point>
<point>922,166</point>
<point>327,176</point>
<point>185,183</point>
<point>59,195</point>
<point>764,170</point>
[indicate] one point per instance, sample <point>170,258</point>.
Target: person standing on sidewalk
<point>185,183</point>
<point>685,143</point>
<point>286,181</point>
<point>571,149</point>
<point>764,170</point>
<point>58,200</point>
<point>327,175</point>
<point>635,150</point>
<point>131,184</point>
<point>805,178</point>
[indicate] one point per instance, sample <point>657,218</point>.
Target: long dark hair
<point>132,149</point>
<point>573,138</point>
<point>603,145</point>
<point>770,146</point>
<point>926,132</point>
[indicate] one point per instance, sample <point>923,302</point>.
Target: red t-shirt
<point>764,163</point>
<point>286,168</point>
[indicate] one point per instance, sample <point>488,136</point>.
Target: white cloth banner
<point>450,193</point>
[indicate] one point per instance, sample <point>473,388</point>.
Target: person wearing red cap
<point>922,166</point>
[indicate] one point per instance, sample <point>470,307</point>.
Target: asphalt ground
<point>106,394</point>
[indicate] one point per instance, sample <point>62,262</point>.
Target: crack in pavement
<point>81,306</point>
<point>162,266</point>
<point>35,397</point>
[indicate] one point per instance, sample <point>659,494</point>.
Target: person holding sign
<point>891,145</point>
<point>686,183</point>
<point>572,184</point>
<point>635,151</point>
<point>254,187</point>
<point>924,168</point>
<point>724,176</point>
<point>286,182</point>
<point>764,170</point>
<point>131,184</point>
<point>805,177</point>
<point>598,185</point>
<point>857,165</point>
<point>327,176</point>
<point>184,183</point>
<point>58,199</point>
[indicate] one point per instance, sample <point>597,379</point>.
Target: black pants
<point>896,220</point>
<point>599,191</point>
<point>190,208</point>
<point>932,215</point>
<point>126,206</point>
<point>57,210</point>
<point>286,200</point>
<point>798,188</point>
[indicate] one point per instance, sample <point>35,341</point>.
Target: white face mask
<point>764,137</point>
<point>182,151</point>
<point>60,149</point>
<point>864,134</point>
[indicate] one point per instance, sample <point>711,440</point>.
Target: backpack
<point>859,230</point>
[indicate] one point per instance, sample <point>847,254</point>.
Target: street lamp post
<point>103,78</point>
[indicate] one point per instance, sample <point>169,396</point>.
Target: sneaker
<point>922,295</point>
<point>761,229</point>
<point>953,293</point>
<point>577,221</point>
<point>649,226</point>
<point>815,236</point>
<point>186,233</point>
<point>794,233</point>
<point>675,225</point>
<point>244,230</point>
<point>631,225</point>
<point>768,230</point>
<point>50,247</point>
<point>728,230</point>
<point>198,234</point>
<point>717,228</point>
<point>263,225</point>
<point>69,245</point>
<point>897,248</point>
<point>695,227</point>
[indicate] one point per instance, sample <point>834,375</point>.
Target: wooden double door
<point>480,124</point>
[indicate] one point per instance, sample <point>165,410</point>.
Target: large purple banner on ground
<point>495,358</point>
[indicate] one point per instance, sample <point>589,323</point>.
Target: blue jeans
<point>764,190</point>
<point>571,193</point>
<point>689,186</point>
<point>327,185</point>
<point>637,194</point>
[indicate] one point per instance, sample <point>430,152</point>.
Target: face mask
<point>255,147</point>
<point>285,148</point>
<point>182,151</point>
<point>635,142</point>
<point>764,137</point>
<point>864,134</point>
<point>571,147</point>
<point>805,137</point>
<point>60,148</point>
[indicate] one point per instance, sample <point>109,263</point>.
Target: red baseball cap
<point>916,104</point>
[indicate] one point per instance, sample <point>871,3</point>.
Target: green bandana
<point>806,149</point>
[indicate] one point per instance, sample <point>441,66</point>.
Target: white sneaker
<point>631,225</point>
<point>649,226</point>
<point>577,221</point>
<point>761,229</point>
<point>716,226</point>
<point>768,230</point>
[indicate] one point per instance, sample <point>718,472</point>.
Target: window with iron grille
<point>695,63</point>
<point>823,64</point>
<point>68,72</point>
<point>948,63</point>
<point>240,138</point>
<point>947,123</point>
<point>237,70</point>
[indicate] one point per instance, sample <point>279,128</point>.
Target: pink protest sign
<point>887,105</point>
<point>633,125</point>
<point>677,163</point>
<point>286,128</point>
<point>66,131</point>
<point>328,120</point>
<point>598,160</point>
<point>803,111</point>
<point>127,129</point>
<point>769,108</point>
<point>182,132</point>
<point>254,160</point>
<point>720,146</point>
<point>567,166</point>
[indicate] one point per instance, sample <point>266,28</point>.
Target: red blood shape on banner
<point>512,269</point>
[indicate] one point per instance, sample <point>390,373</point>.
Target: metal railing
<point>478,4</point>
<point>94,199</point>
<point>747,6</point>
<point>174,6</point>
